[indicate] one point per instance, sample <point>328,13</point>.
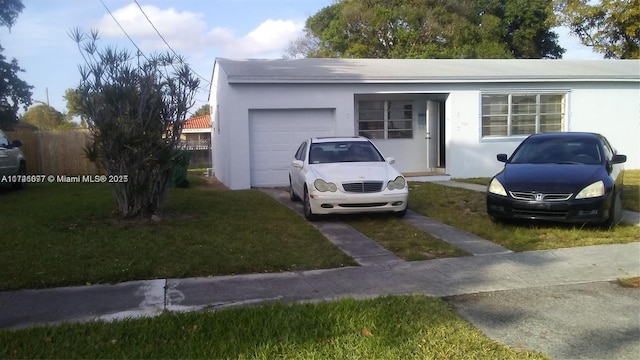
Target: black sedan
<point>567,177</point>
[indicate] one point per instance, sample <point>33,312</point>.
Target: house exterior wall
<point>611,109</point>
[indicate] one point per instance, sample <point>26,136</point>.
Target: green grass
<point>466,209</point>
<point>631,192</point>
<point>65,234</point>
<point>409,327</point>
<point>405,241</point>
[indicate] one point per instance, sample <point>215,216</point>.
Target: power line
<point>165,41</point>
<point>123,30</point>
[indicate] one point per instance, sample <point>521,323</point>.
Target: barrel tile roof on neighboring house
<point>198,122</point>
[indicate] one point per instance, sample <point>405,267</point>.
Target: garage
<point>275,135</point>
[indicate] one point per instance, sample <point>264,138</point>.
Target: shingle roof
<point>198,122</point>
<point>425,70</point>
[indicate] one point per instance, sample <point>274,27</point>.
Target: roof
<point>425,70</point>
<point>327,139</point>
<point>198,122</point>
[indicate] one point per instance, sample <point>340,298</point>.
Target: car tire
<point>22,171</point>
<point>615,214</point>
<point>292,196</point>
<point>306,208</point>
<point>401,214</point>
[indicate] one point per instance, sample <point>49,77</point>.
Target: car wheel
<point>615,214</point>
<point>22,171</point>
<point>308,214</point>
<point>401,214</point>
<point>292,196</point>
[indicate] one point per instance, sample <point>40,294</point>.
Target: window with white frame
<point>520,114</point>
<point>380,119</point>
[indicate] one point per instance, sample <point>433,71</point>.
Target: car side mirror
<point>391,160</point>
<point>502,157</point>
<point>297,164</point>
<point>618,159</point>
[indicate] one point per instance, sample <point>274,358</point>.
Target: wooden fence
<point>55,152</point>
<point>61,152</point>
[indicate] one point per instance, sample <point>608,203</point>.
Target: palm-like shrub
<point>135,108</point>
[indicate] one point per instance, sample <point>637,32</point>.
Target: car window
<point>4,142</point>
<point>558,151</point>
<point>607,148</point>
<point>301,151</point>
<point>344,151</point>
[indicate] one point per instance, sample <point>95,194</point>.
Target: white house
<point>433,116</point>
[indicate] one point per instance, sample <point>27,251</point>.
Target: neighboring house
<point>432,116</point>
<point>196,136</point>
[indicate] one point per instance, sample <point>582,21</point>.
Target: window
<point>385,119</point>
<point>4,142</point>
<point>521,114</point>
<point>302,150</point>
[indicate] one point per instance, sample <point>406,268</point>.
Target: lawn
<point>64,234</point>
<point>398,327</point>
<point>466,209</point>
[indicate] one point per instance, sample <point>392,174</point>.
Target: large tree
<point>46,118</point>
<point>203,110</point>
<point>135,109</point>
<point>14,92</point>
<point>611,27</point>
<point>430,29</point>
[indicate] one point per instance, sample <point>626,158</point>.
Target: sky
<point>198,30</point>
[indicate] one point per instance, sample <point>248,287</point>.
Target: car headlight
<point>323,186</point>
<point>594,190</point>
<point>397,184</point>
<point>495,187</point>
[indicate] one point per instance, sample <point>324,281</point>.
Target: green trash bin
<point>179,173</point>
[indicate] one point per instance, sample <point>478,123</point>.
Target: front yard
<point>64,234</point>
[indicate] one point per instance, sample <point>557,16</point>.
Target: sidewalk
<point>491,270</point>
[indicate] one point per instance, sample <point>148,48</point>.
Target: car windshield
<point>558,151</point>
<point>343,151</point>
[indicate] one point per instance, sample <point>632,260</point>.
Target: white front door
<point>432,134</point>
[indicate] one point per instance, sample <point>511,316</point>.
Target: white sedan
<point>345,175</point>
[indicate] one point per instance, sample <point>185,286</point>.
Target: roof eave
<point>236,80</point>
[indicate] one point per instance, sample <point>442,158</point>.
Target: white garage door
<point>275,137</point>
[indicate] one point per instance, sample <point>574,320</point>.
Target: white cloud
<point>182,30</point>
<point>187,31</point>
<point>272,36</point>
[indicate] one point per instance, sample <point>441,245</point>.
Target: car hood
<point>548,177</point>
<point>355,171</point>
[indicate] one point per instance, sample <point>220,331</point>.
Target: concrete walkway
<point>492,270</point>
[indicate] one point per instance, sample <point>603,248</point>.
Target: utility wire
<point>165,41</point>
<point>123,30</point>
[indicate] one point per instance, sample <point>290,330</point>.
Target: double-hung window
<point>521,114</point>
<point>385,119</point>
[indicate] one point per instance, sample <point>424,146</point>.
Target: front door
<point>432,135</point>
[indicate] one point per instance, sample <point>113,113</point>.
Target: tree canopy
<point>203,110</point>
<point>611,27</point>
<point>431,29</point>
<point>46,117</point>
<point>14,91</point>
